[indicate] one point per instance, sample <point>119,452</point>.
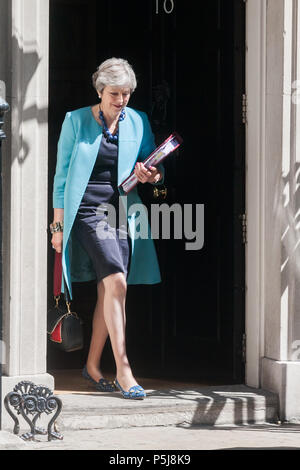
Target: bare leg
<point>99,336</point>
<point>115,288</point>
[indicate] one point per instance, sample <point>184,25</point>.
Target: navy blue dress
<point>103,236</point>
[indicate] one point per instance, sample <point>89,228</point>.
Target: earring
<point>100,99</point>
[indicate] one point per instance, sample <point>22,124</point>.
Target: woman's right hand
<point>56,241</point>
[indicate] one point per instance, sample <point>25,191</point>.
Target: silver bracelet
<point>56,227</point>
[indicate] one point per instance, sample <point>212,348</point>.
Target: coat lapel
<point>128,145</point>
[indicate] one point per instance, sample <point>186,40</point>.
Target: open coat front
<point>78,147</point>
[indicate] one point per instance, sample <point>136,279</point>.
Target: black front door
<point>190,71</point>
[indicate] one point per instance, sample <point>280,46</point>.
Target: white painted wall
<point>25,177</point>
<point>273,202</point>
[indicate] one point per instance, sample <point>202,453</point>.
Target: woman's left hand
<point>146,175</point>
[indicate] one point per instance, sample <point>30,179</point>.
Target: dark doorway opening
<point>190,72</point>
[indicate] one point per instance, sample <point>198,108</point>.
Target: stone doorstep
<point>205,405</point>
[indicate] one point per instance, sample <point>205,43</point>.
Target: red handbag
<point>63,326</point>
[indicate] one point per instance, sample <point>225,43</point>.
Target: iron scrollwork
<point>30,399</point>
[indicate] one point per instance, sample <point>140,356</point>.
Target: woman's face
<point>113,99</point>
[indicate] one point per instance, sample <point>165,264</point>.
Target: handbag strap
<point>57,277</point>
<point>57,274</point>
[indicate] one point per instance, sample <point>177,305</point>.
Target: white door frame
<point>255,186</point>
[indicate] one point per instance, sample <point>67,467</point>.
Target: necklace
<point>108,135</point>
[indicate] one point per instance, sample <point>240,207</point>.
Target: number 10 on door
<point>168,6</point>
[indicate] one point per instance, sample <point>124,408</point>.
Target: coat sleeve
<point>64,151</point>
<point>148,145</point>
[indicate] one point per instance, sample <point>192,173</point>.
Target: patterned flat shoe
<point>103,385</point>
<point>136,392</point>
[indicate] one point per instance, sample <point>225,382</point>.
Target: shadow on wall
<point>26,66</point>
<point>286,208</point>
<point>286,211</point>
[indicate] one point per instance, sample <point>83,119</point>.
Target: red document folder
<point>156,157</point>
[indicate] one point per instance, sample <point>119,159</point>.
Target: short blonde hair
<point>114,72</point>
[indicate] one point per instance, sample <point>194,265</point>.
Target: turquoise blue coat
<point>77,151</point>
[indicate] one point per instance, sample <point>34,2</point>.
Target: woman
<point>99,146</point>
